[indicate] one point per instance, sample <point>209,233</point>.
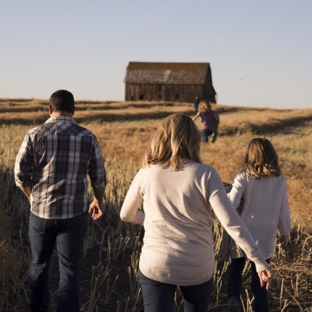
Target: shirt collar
<point>61,119</point>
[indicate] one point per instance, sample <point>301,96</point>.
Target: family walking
<point>174,196</point>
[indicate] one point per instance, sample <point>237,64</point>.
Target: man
<point>51,169</point>
<point>195,103</point>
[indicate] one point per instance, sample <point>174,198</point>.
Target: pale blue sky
<point>260,51</point>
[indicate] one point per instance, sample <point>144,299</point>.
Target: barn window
<point>141,97</point>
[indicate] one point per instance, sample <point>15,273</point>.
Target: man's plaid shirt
<point>55,159</point>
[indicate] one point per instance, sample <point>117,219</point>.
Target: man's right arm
<point>98,181</point>
<point>23,167</point>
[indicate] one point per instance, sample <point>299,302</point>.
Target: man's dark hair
<point>62,100</point>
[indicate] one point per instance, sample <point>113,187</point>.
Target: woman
<point>176,191</point>
<point>265,210</point>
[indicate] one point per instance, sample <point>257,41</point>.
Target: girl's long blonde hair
<point>177,138</point>
<point>204,106</point>
<point>261,159</point>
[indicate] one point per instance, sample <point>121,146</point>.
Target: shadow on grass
<point>99,117</point>
<point>275,125</point>
<point>23,107</point>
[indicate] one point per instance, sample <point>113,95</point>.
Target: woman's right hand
<point>265,277</point>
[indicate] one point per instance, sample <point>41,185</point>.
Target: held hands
<point>265,277</point>
<point>96,209</point>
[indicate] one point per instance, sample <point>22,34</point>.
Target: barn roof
<point>167,73</point>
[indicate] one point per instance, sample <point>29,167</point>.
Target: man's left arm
<point>26,190</point>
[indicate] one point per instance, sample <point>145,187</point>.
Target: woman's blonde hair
<point>261,159</point>
<point>177,138</point>
<point>204,106</point>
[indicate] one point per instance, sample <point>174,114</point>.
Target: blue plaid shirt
<point>55,160</point>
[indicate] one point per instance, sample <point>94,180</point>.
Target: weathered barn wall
<point>152,92</point>
<point>168,82</point>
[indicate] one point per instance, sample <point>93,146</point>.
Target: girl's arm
<point>196,116</point>
<point>284,224</point>
<point>236,193</point>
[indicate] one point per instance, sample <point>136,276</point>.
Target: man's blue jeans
<point>68,235</point>
<point>159,297</point>
<point>235,284</point>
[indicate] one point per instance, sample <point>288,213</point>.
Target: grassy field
<point>112,248</point>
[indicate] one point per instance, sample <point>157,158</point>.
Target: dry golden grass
<point>124,130</point>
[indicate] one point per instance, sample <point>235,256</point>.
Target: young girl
<point>265,210</point>
<point>207,120</point>
<point>176,191</point>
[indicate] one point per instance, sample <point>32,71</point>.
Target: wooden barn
<point>179,82</point>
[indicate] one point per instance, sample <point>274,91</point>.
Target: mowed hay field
<point>112,248</point>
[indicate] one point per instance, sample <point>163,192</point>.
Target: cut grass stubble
<point>113,247</point>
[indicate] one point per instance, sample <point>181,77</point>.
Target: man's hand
<point>265,277</point>
<point>27,191</point>
<point>96,210</point>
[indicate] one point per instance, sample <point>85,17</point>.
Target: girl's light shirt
<point>177,218</point>
<point>265,208</point>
